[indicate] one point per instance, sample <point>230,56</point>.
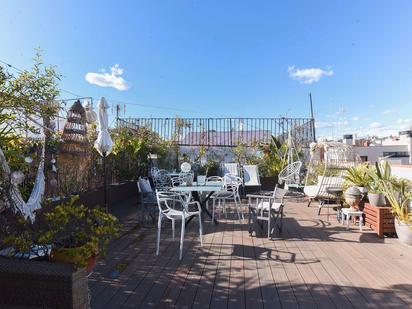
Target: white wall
<point>374,153</point>
<point>402,171</point>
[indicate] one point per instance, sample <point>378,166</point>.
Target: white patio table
<point>209,187</point>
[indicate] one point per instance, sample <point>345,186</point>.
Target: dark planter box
<point>268,183</point>
<point>115,194</point>
<point>26,283</point>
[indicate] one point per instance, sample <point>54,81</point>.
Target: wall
<point>374,153</point>
<point>402,171</point>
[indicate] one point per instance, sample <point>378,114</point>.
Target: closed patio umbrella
<point>104,142</point>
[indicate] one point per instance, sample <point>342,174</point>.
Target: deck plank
<point>314,263</point>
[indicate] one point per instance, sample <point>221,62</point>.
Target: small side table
<point>347,213</point>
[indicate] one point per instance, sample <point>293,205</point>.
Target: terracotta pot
<point>404,232</point>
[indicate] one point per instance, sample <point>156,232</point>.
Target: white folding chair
<point>267,208</point>
<point>230,168</point>
<point>174,206</point>
<point>251,176</point>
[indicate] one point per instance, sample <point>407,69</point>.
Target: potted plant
<point>358,176</point>
<point>78,234</point>
<point>401,209</point>
<point>375,194</point>
<point>381,173</point>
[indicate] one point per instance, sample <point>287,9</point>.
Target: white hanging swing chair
<point>290,174</point>
<point>327,165</point>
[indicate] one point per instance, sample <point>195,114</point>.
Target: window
<point>396,154</point>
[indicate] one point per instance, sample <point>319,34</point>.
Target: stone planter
<point>404,232</point>
<point>25,283</point>
<point>377,199</point>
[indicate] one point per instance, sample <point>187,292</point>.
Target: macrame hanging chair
<point>75,131</point>
<point>16,202</point>
<point>290,174</point>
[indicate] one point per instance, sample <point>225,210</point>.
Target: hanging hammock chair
<point>290,175</point>
<point>328,163</point>
<point>16,202</point>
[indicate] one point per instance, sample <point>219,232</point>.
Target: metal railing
<point>225,132</point>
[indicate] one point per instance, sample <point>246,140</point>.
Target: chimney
<point>348,139</point>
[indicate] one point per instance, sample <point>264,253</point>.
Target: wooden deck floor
<point>312,264</point>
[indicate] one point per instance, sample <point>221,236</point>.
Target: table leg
<point>203,206</point>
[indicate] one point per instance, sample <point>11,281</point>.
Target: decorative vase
<point>353,197</point>
<point>404,232</point>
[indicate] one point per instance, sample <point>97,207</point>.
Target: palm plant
<point>358,175</point>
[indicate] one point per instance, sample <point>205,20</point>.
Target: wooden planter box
<point>380,219</point>
<point>268,183</point>
<point>26,283</point>
<point>115,194</point>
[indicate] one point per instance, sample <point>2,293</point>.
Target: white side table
<point>347,213</point>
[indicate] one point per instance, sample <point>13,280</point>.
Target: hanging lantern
<point>75,131</point>
<point>17,177</point>
<point>91,115</point>
<point>28,160</point>
<point>53,183</point>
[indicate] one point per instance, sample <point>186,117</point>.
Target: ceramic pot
<point>377,199</point>
<point>404,232</point>
<point>353,197</point>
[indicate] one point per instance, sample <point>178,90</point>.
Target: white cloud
<point>404,121</point>
<point>309,75</point>
<point>388,111</point>
<point>375,125</point>
<point>356,118</point>
<point>112,79</point>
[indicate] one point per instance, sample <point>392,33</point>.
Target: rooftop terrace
<point>315,263</point>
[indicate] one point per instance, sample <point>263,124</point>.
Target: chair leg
<point>281,220</point>
<point>310,201</point>
<point>173,229</point>
<point>269,219</point>
<point>182,236</point>
<point>213,210</point>
<point>200,229</point>
<point>320,206</point>
<point>237,209</point>
<point>159,227</point>
<point>249,219</point>
<point>224,208</point>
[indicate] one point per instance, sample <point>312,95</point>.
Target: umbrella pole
<point>105,183</point>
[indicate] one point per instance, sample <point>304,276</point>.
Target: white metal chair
<point>230,192</point>
<point>268,208</point>
<point>148,200</point>
<point>161,180</point>
<point>174,206</point>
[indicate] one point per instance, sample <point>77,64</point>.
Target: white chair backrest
<point>326,182</point>
<point>167,200</point>
<point>230,168</point>
<point>251,175</point>
<point>214,178</point>
<point>144,186</point>
<point>232,179</point>
<point>279,193</point>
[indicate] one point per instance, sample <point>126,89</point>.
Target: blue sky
<point>228,58</point>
